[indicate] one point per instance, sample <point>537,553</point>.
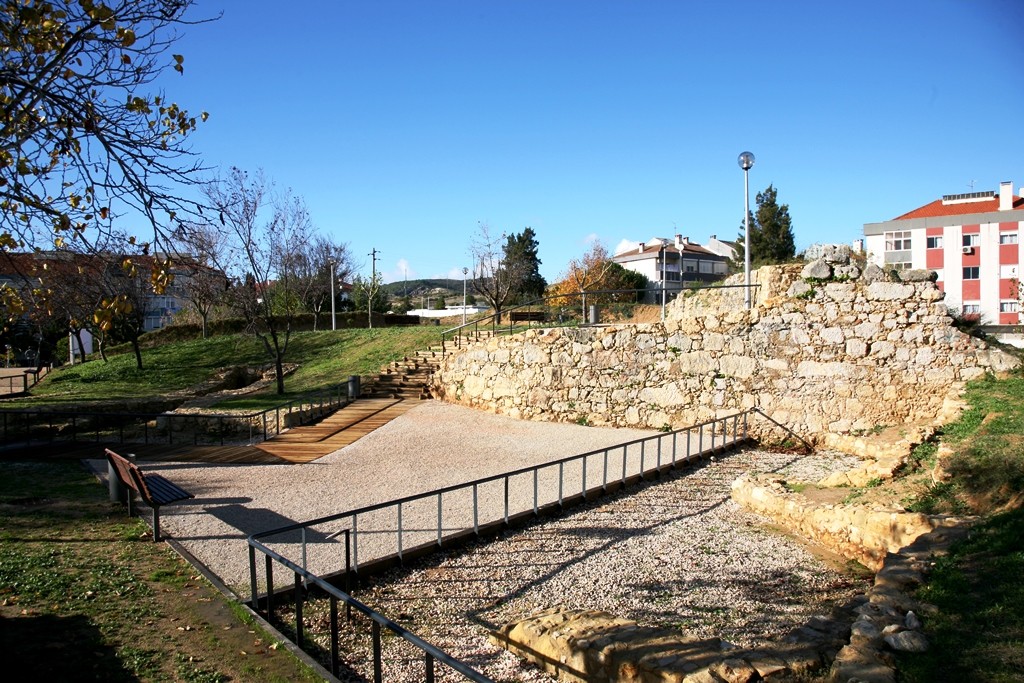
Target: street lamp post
<point>465,272</point>
<point>746,162</point>
<point>664,285</point>
<point>334,318</point>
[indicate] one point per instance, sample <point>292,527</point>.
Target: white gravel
<point>433,445</point>
<point>676,553</point>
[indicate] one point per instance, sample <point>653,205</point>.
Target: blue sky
<point>405,125</point>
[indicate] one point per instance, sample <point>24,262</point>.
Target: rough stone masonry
<point>825,349</point>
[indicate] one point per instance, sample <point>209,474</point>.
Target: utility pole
<point>373,287</point>
<point>334,318</point>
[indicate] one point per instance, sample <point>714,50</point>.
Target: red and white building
<point>973,243</point>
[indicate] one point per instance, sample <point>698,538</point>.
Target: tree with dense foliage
<point>586,274</point>
<point>771,232</point>
<point>264,235</point>
<point>621,278</point>
<point>523,264</point>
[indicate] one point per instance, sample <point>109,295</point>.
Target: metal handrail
<point>303,578</point>
<point>658,460</point>
<point>34,419</point>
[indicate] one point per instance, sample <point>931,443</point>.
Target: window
<point>1009,306</point>
<point>1007,238</point>
<point>971,240</point>
<point>1008,271</point>
<point>897,250</point>
<point>720,268</point>
<point>935,242</point>
<point>706,267</point>
<point>971,273</point>
<point>897,241</point>
<point>971,308</point>
<point>690,266</point>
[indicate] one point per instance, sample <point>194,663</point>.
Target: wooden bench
<point>526,316</point>
<point>154,489</point>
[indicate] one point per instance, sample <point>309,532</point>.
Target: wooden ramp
<point>346,426</point>
<point>297,446</point>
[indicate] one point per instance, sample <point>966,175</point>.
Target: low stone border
<point>856,532</point>
<point>582,646</point>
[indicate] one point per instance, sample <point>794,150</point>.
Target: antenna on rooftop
<point>970,184</point>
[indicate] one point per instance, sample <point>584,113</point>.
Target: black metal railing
<point>12,385</point>
<point>568,310</point>
<point>464,509</point>
<point>28,427</point>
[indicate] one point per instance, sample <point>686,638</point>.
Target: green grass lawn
<point>977,632</point>
<point>324,359</point>
<point>86,595</point>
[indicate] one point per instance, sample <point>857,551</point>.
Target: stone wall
<point>818,354</point>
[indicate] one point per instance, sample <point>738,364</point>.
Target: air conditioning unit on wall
<point>968,250</point>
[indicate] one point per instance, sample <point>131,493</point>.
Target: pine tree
<point>521,260</point>
<point>771,232</point>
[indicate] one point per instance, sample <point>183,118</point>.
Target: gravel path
<point>433,445</point>
<point>676,553</point>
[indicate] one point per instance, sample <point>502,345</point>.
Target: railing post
<point>299,636</point>
<point>506,500</point>
<point>625,453</point>
<point>643,467</point>
<point>378,675</point>
<point>334,636</point>
<point>355,543</point>
<point>700,441</point>
<point>399,532</point>
<point>304,565</point>
<point>429,673</point>
<point>584,478</point>
<point>604,474</point>
<point>439,520</point>
<point>561,468</point>
<point>476,520</point>
<point>270,586</point>
<point>536,509</point>
<point>254,602</point>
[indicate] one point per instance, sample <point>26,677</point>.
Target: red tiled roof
<point>937,208</point>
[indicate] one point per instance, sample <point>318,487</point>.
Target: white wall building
<point>672,263</point>
<point>973,243</point>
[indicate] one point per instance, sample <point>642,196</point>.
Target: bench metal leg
<point>156,525</point>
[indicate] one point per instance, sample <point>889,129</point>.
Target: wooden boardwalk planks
<point>297,446</point>
<point>367,415</point>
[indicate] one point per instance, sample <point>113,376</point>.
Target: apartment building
<point>673,263</point>
<point>973,243</point>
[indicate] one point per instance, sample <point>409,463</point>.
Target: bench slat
<point>163,491</point>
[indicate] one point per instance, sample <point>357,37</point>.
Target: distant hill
<point>425,286</point>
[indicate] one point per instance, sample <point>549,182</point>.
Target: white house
<point>672,263</point>
<point>972,242</point>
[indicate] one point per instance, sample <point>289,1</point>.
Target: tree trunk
<point>204,316</point>
<point>81,346</point>
<point>138,352</point>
